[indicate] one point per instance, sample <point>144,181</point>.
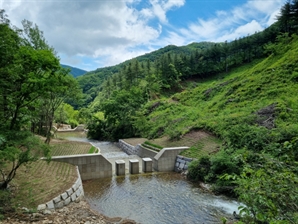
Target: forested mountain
<point>244,92</point>
<point>91,82</point>
<point>74,71</point>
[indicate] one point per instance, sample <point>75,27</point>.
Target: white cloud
<point>160,8</point>
<point>109,29</point>
<point>109,32</point>
<point>239,21</point>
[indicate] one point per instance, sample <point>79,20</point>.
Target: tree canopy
<point>33,85</point>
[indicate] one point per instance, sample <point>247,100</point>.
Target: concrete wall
<point>138,150</point>
<point>165,159</point>
<point>73,194</point>
<point>181,163</point>
<point>91,166</point>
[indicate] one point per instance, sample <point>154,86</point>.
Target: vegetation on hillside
<point>244,92</point>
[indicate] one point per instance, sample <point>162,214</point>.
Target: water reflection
<point>156,198</point>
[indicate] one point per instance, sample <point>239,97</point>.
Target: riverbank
<point>74,213</point>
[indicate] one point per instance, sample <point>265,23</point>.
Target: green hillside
<point>233,98</point>
<point>92,82</point>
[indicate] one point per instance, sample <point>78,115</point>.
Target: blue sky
<point>90,34</point>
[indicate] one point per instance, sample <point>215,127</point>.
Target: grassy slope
<point>233,98</point>
<point>40,182</point>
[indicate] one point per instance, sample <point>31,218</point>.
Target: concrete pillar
<point>134,166</point>
<point>120,167</point>
<point>147,165</point>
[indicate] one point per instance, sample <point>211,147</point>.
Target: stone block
<point>188,159</point>
<point>147,165</point>
<point>73,197</point>
<point>180,160</point>
<point>69,191</point>
<point>78,192</point>
<point>181,166</point>
<point>78,184</point>
<point>59,204</point>
<point>82,190</point>
<point>120,167</point>
<point>50,205</point>
<point>134,166</point>
<point>64,195</point>
<point>67,201</point>
<point>57,199</point>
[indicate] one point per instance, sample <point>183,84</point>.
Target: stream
<point>151,198</point>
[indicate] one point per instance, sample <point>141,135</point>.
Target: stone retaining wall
<point>138,150</point>
<point>73,194</point>
<point>182,163</point>
<point>164,160</point>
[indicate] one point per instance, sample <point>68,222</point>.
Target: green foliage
<point>97,129</point>
<point>247,136</point>
<point>199,169</point>
<point>19,148</point>
<point>93,150</point>
<point>152,146</point>
<point>120,112</point>
<point>269,191</point>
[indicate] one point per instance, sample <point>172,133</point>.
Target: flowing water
<point>156,198</point>
<point>153,197</point>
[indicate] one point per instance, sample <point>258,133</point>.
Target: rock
<point>74,213</point>
<point>47,212</point>
<point>41,207</point>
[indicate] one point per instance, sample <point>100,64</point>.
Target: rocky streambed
<point>74,213</point>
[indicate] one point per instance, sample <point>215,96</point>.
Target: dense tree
<point>32,84</point>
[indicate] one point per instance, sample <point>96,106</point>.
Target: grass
<point>39,182</point>
<point>62,148</point>
<point>93,150</point>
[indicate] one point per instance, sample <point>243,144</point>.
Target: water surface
<point>156,198</point>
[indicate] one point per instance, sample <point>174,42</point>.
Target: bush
<point>224,163</point>
<point>199,169</point>
<point>73,123</point>
<point>246,136</point>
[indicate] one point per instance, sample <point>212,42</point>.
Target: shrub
<point>199,169</point>
<point>246,136</point>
